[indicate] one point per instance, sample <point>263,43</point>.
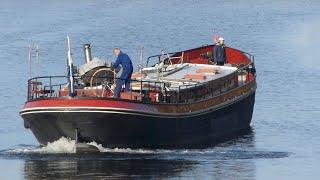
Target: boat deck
<point>187,74</point>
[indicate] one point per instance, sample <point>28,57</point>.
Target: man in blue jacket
<point>219,52</point>
<point>127,70</point>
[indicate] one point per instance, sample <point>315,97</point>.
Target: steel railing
<point>143,90</point>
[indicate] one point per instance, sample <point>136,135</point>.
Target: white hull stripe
<point>129,111</point>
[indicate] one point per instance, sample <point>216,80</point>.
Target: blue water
<point>283,36</point>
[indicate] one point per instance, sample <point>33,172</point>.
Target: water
<point>283,36</point>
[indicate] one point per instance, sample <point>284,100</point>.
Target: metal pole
<point>70,66</point>
<point>165,92</point>
<point>38,60</point>
<point>141,58</point>
<point>29,62</point>
<point>29,90</point>
<point>141,89</point>
<point>182,57</point>
<point>50,87</point>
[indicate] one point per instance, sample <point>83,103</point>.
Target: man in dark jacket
<point>127,70</point>
<point>219,52</point>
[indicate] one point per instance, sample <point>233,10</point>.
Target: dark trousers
<point>119,85</point>
<point>220,63</point>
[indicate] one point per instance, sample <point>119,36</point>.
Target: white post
<point>38,60</point>
<point>141,59</point>
<point>70,67</point>
<point>29,61</point>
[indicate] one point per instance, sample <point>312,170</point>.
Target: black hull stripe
<point>134,112</point>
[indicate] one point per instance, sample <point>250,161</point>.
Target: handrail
<point>158,56</point>
<point>251,57</point>
<point>142,87</point>
<point>61,76</point>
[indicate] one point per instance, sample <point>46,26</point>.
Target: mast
<point>38,60</point>
<point>70,68</point>
<point>33,52</point>
<point>29,60</point>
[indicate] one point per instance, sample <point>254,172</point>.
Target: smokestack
<point>87,53</point>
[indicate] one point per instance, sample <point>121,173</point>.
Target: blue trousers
<point>120,83</point>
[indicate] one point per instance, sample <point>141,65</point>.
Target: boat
<point>178,99</point>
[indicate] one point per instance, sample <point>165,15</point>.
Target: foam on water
<point>62,145</point>
<point>68,146</point>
